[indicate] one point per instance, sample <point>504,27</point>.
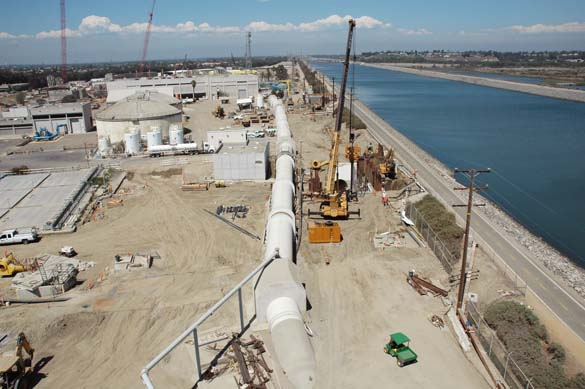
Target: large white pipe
<point>280,298</point>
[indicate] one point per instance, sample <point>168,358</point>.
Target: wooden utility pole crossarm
<point>472,173</point>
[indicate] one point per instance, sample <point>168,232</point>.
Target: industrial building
<point>75,118</point>
<point>142,111</point>
<point>227,136</point>
<point>207,86</point>
<point>242,162</point>
<point>71,118</point>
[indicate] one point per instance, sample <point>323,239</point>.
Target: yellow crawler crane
<point>334,204</point>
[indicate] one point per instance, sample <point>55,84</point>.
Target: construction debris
<point>239,210</point>
<point>253,369</point>
<point>388,239</point>
<point>437,321</point>
<point>132,261</point>
<point>195,187</point>
<point>226,221</point>
<point>422,286</point>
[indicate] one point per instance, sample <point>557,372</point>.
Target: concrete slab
<point>9,198</point>
<point>21,182</point>
<point>50,196</point>
<point>28,217</point>
<point>65,178</point>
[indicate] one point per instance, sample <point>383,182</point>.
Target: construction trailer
<point>249,162</point>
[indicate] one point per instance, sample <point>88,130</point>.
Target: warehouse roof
<point>143,105</point>
<point>153,96</point>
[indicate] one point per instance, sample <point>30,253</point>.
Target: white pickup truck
<point>24,236</point>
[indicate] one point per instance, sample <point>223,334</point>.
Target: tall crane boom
<point>63,43</point>
<point>333,157</point>
<point>147,37</point>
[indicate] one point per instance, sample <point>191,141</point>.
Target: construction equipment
<point>44,134</point>
<point>9,266</point>
<point>67,251</point>
<point>334,202</point>
<point>219,112</point>
<point>387,167</point>
<point>147,37</point>
<point>324,232</point>
<point>13,368</point>
<point>399,348</point>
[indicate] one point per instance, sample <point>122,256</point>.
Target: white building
<point>249,162</point>
<point>207,86</point>
<point>227,136</point>
<point>142,111</point>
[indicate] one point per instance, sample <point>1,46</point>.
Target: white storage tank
<point>132,142</point>
<point>104,145</point>
<point>260,101</point>
<point>154,137</point>
<point>176,135</point>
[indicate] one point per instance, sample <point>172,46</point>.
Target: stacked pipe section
<point>280,298</point>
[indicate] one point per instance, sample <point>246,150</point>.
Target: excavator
<point>387,167</point>
<point>13,368</point>
<point>334,200</point>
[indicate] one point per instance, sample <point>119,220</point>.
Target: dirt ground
<point>115,323</point>
<point>103,337</point>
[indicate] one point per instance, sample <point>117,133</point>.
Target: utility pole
<point>333,96</point>
<point>472,173</point>
<point>352,194</point>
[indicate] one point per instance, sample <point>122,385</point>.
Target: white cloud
<point>548,28</point>
<point>6,35</point>
<point>418,32</point>
<point>57,34</point>
<point>264,27</point>
<point>94,24</point>
<point>329,22</point>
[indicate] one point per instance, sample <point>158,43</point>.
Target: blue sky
<point>109,30</point>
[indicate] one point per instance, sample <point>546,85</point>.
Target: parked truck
<point>15,236</point>
<point>181,149</point>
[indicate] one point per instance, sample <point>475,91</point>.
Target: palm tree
<point>193,84</point>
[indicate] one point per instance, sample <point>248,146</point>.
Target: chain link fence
<point>448,260</point>
<point>431,237</point>
<point>503,360</point>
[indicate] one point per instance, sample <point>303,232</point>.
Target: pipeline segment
<point>280,298</point>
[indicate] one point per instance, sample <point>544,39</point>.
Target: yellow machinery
<point>9,266</point>
<point>13,368</point>
<point>334,202</point>
<point>324,232</point>
<point>387,168</point>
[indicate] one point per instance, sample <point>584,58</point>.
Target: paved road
<point>560,300</point>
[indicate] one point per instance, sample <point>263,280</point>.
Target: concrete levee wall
<point>540,90</point>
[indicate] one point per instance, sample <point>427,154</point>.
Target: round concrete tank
<point>132,142</point>
<point>175,135</point>
<point>143,110</point>
<point>104,145</point>
<point>154,137</point>
<point>259,101</point>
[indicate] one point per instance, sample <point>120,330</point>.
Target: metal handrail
<point>192,330</point>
